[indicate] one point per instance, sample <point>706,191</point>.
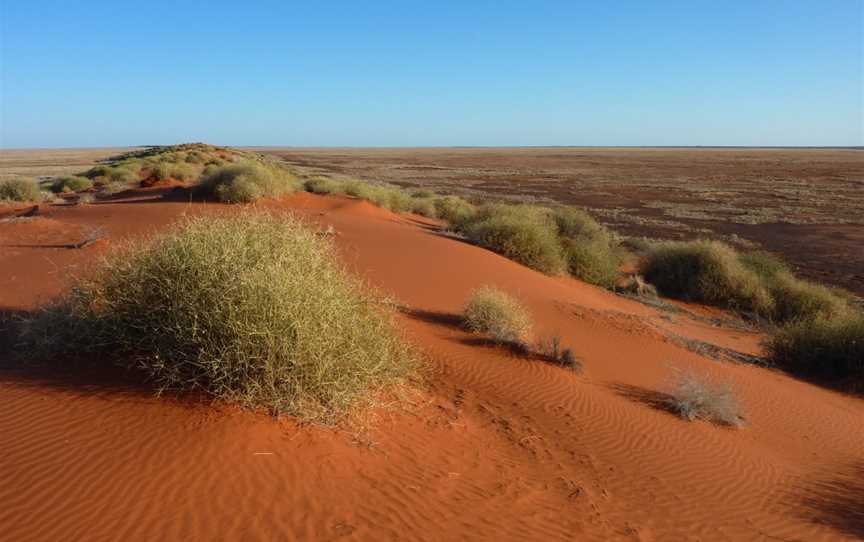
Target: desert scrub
<point>824,347</point>
<point>424,207</point>
<point>20,189</point>
<point>253,308</point>
<point>246,182</point>
<point>454,210</point>
<point>693,396</point>
<point>493,312</point>
<point>181,171</point>
<point>71,184</point>
<point>593,252</point>
<point>707,272</point>
<point>522,233</point>
<point>323,185</point>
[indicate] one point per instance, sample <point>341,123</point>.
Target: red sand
<point>498,448</point>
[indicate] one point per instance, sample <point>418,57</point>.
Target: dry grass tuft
<point>20,189</point>
<point>493,312</point>
<point>252,308</point>
<point>693,396</point>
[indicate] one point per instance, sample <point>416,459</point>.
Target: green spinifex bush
<point>494,312</point>
<point>246,181</point>
<point>252,308</point>
<point>19,189</point>
<point>826,347</point>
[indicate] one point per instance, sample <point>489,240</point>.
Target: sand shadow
<point>78,375</point>
<point>835,500</point>
<point>448,319</point>
<point>655,399</point>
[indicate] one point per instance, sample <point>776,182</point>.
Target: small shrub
<point>519,232</point>
<point>708,272</point>
<point>251,308</point>
<point>575,223</point>
<point>454,210</point>
<point>424,207</point>
<point>764,264</point>
<point>123,175</point>
<point>71,184</point>
<point>693,396</point>
<point>552,349</point>
<point>796,299</point>
<point>390,197</point>
<point>493,312</point>
<point>826,347</point>
<point>20,190</point>
<point>97,171</point>
<point>357,189</point>
<point>322,185</point>
<point>246,182</point>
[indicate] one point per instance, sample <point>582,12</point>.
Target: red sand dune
<point>498,447</point>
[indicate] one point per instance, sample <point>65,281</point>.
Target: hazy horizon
<point>677,74</point>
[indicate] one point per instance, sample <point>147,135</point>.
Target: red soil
<point>499,447</point>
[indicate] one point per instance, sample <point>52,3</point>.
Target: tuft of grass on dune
<point>706,272</point>
<point>71,183</point>
<point>522,233</point>
<point>253,308</point>
<point>245,182</point>
<point>831,348</point>
<point>495,313</point>
<point>20,189</point>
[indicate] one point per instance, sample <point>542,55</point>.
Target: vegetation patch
<point>71,184</point>
<point>495,313</point>
<point>825,347</point>
<point>693,396</point>
<point>253,308</point>
<point>522,233</point>
<point>20,189</point>
<point>707,272</point>
<point>246,182</point>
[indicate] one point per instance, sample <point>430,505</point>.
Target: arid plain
<point>805,204</point>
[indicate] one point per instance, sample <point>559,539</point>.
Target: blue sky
<point>384,73</point>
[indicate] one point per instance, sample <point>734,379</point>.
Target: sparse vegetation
<point>246,182</point>
<point>825,347</point>
<point>454,209</point>
<point>424,207</point>
<point>552,349</point>
<point>495,313</point>
<point>71,184</point>
<point>20,189</point>
<point>522,233</point>
<point>693,396</point>
<point>253,308</point>
<point>707,272</point>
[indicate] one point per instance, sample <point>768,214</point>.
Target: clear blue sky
<point>748,72</point>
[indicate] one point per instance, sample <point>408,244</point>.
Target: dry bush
<point>245,182</point>
<point>493,312</point>
<point>71,184</point>
<point>693,396</point>
<point>825,347</point>
<point>20,189</point>
<point>523,233</point>
<point>424,207</point>
<point>252,308</point>
<point>552,349</point>
<point>323,185</point>
<point>454,210</point>
<point>707,272</point>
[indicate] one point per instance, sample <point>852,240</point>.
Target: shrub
<point>594,259</point>
<point>390,197</point>
<point>123,175</point>
<point>245,182</point>
<point>493,312</point>
<point>71,184</point>
<point>357,189</point>
<point>796,299</point>
<point>552,349</point>
<point>251,308</point>
<point>424,207</point>
<point>422,193</point>
<point>97,171</point>
<point>519,232</point>
<point>454,210</point>
<point>827,347</point>
<point>764,264</point>
<point>19,189</point>
<point>322,185</point>
<point>576,223</point>
<point>708,272</point>
<point>694,396</point>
